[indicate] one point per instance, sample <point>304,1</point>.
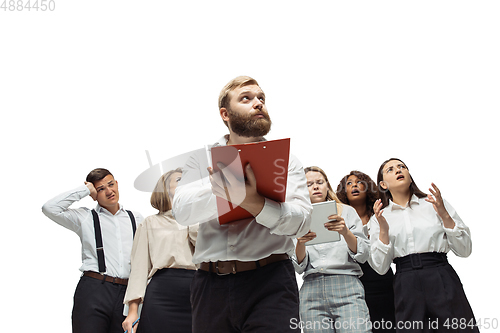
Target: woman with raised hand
<point>162,251</point>
<point>332,297</point>
<point>416,231</point>
<point>359,191</point>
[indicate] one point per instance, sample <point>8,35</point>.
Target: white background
<point>352,83</point>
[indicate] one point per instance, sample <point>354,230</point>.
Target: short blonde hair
<point>160,198</point>
<point>237,82</point>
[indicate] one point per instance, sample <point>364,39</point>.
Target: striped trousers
<point>333,303</point>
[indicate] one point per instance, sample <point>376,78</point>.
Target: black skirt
<point>167,306</point>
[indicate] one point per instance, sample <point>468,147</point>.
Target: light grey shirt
<point>336,257</point>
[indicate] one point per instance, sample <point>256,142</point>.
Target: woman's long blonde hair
<point>330,194</point>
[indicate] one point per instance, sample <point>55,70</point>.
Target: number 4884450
<point>28,5</point>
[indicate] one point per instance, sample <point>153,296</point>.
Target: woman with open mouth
<point>359,191</point>
<point>416,231</point>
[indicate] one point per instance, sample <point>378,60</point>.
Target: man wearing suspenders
<point>106,233</point>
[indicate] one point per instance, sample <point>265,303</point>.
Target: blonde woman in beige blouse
<point>162,251</point>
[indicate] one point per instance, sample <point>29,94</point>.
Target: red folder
<point>269,162</point>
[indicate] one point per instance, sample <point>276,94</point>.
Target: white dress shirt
<point>270,232</point>
<point>416,229</point>
<point>336,257</point>
<point>117,235</point>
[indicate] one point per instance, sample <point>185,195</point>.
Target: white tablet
<point>321,211</point>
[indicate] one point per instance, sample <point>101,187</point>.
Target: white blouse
<point>416,229</point>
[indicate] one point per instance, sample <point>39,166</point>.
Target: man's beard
<point>247,126</point>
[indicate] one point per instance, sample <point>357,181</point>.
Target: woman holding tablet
<point>359,191</point>
<point>162,251</point>
<point>332,297</point>
<point>416,231</point>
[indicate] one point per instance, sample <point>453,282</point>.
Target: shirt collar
<point>223,141</point>
<point>101,209</point>
<point>394,206</point>
<point>168,213</point>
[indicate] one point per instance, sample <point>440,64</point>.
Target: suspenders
<point>98,238</point>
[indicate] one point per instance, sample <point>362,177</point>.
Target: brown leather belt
<point>235,266</point>
<point>106,278</point>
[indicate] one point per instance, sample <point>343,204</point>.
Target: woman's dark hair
<point>385,194</point>
<point>372,193</point>
<point>97,174</point>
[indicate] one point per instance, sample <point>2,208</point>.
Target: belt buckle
<point>232,263</point>
<point>416,262</point>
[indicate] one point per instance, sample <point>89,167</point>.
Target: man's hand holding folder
<point>244,175</point>
<point>238,188</point>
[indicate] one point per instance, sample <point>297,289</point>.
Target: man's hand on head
<point>93,192</point>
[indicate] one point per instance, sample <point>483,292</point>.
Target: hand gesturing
<point>437,201</point>
<point>384,226</point>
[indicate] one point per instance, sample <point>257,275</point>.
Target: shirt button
<point>231,247</point>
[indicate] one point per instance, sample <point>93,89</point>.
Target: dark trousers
<point>379,297</point>
<point>98,307</point>
<point>431,298</point>
<point>261,300</point>
<point>167,306</point>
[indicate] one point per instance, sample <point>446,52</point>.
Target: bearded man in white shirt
<point>245,281</point>
<point>106,233</point>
